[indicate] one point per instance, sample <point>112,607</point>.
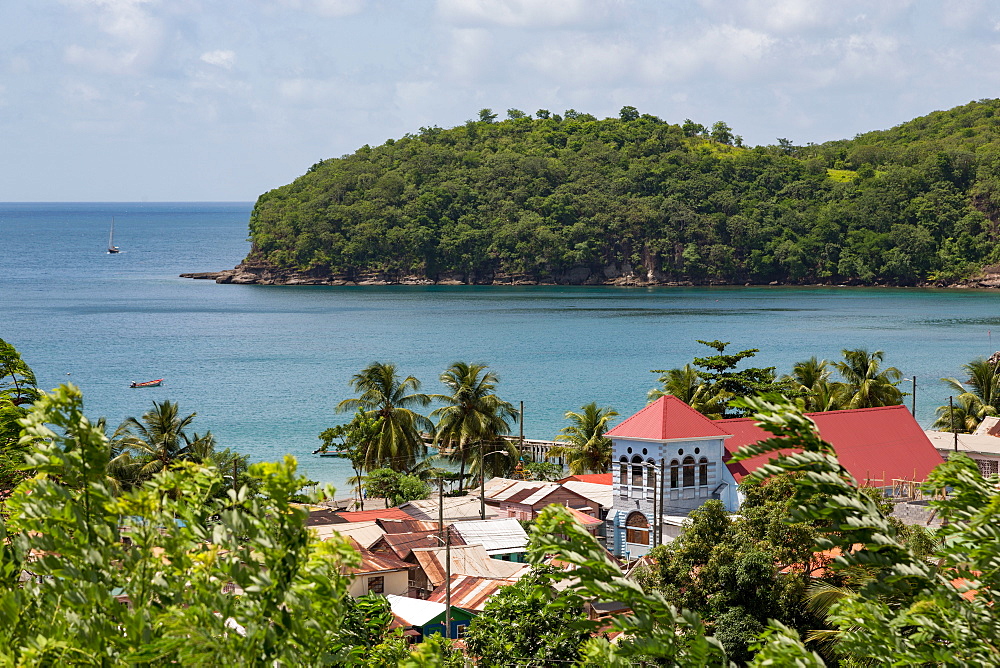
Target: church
<point>668,459</point>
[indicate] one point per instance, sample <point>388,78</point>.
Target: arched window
<point>688,470</point>
<point>703,471</point>
<point>675,470</point>
<point>637,471</point>
<point>623,472</point>
<point>637,529</point>
<point>651,474</point>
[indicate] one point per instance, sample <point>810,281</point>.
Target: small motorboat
<point>148,383</point>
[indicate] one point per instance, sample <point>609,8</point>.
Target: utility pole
<point>659,501</point>
<point>445,537</point>
<point>951,415</point>
<point>520,447</point>
<point>482,482</point>
<point>914,397</point>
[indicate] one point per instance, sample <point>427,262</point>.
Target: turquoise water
<point>264,366</point>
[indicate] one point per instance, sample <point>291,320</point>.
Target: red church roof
<point>874,444</point>
<point>668,418</point>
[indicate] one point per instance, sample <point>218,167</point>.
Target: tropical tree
<point>157,440</point>
<point>474,417</point>
<point>977,398</point>
<point>866,383</point>
<point>810,382</point>
<point>356,437</point>
<point>17,392</point>
<point>687,385</point>
<point>587,449</point>
<point>398,441</point>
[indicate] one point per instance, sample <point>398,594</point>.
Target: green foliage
<point>587,449</point>
<point>69,532</point>
<point>356,439</point>
<point>549,197</point>
<point>17,392</point>
<point>544,471</point>
<point>383,396</point>
<point>976,399</point>
<point>713,382</point>
<point>395,487</point>
<point>518,625</point>
<point>434,652</point>
<point>473,418</point>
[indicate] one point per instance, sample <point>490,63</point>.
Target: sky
<point>222,100</point>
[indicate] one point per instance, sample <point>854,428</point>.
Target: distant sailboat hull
<point>111,239</point>
<point>148,383</point>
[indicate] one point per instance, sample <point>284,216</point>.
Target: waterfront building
<point>669,459</point>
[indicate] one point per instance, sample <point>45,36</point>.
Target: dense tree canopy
<point>572,198</point>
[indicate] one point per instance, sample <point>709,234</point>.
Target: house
<point>982,445</point>
<point>502,538</point>
<point>364,533</point>
<point>379,574</point>
<point>469,592</point>
<point>671,459</point>
<point>465,560</point>
<point>456,508</point>
<point>428,617</point>
<point>523,499</point>
<point>402,545</point>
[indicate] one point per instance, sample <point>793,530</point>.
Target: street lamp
<point>482,479</point>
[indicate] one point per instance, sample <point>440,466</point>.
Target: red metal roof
<point>595,478</point>
<point>875,444</point>
<point>667,418</point>
<point>469,592</point>
<point>381,513</point>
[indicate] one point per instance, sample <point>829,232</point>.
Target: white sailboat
<point>111,239</point>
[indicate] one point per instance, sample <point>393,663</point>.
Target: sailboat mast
<point>111,236</point>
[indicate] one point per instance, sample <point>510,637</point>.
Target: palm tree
<point>158,440</point>
<point>588,449</point>
<point>977,398</point>
<point>382,394</point>
<point>687,385</point>
<point>866,384</point>
<point>474,417</point>
<point>811,378</point>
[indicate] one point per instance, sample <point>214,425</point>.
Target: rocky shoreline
<point>250,273</point>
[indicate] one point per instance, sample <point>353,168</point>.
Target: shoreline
<point>247,274</point>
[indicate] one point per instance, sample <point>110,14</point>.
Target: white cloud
<point>132,36</point>
<point>580,59</point>
<point>523,13</point>
<point>220,58</point>
<point>327,8</point>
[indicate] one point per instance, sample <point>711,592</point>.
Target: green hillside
<point>575,199</point>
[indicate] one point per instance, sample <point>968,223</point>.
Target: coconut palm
<point>977,398</point>
<point>811,379</point>
<point>155,441</point>
<point>382,394</point>
<point>588,450</point>
<point>474,417</point>
<point>687,385</point>
<point>866,383</point>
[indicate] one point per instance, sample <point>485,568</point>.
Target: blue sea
<point>264,366</point>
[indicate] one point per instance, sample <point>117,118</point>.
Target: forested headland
<point>572,199</point>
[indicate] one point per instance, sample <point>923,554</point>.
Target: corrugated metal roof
<point>596,478</point>
<point>375,562</point>
<point>469,592</point>
<point>402,544</point>
<point>465,560</point>
<point>381,513</point>
<point>582,517</point>
<point>945,440</point>
<point>365,533</point>
<point>874,444</point>
<point>408,525</point>
<point>598,493</point>
<point>665,419</point>
<point>496,536</point>
<point>455,508</point>
<point>414,611</point>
